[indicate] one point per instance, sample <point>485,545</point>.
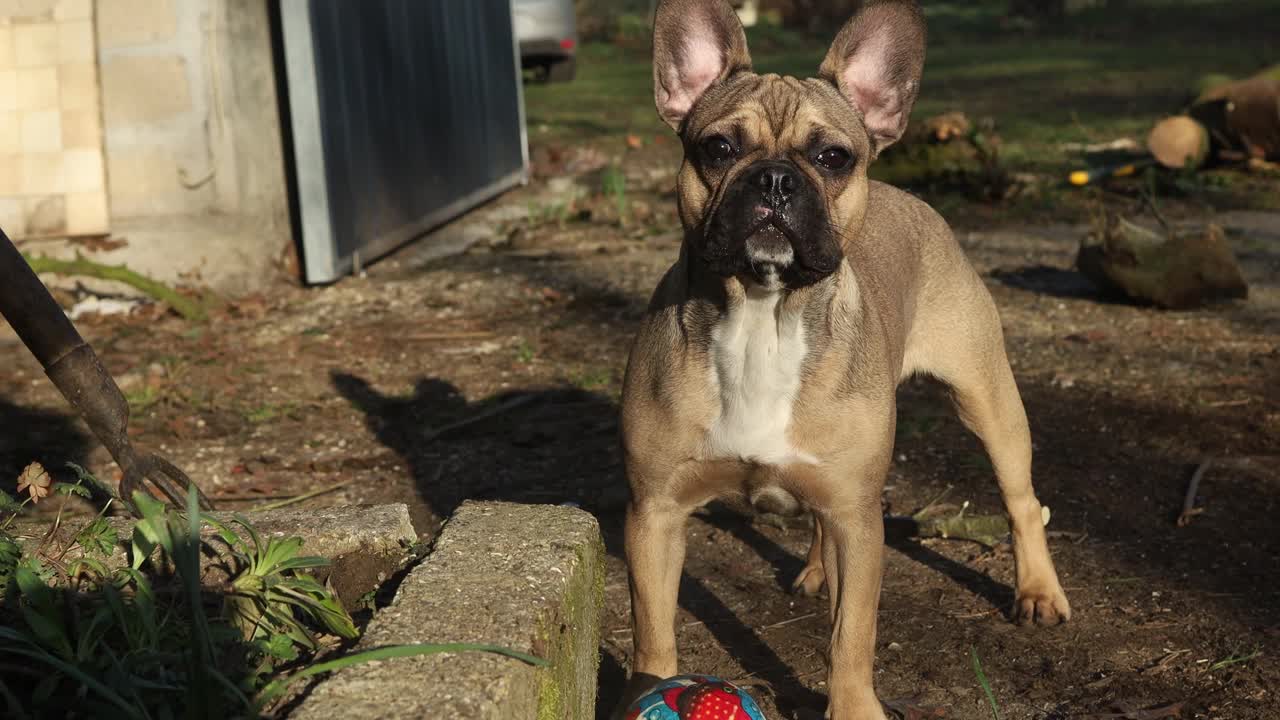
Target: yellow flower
<point>35,481</point>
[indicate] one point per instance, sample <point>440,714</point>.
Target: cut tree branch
<point>186,307</point>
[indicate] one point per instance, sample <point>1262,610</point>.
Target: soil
<point>359,384</point>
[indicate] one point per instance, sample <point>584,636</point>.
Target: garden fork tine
<point>78,374</point>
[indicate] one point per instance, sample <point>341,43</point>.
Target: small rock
<point>94,305</point>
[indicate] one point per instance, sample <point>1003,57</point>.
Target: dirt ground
<point>361,384</point>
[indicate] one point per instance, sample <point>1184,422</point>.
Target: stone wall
<point>183,136</point>
<point>51,163</point>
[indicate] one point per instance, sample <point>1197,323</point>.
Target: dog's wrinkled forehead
<point>774,113</point>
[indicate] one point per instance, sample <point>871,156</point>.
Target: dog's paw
<point>1041,606</point>
<point>810,581</point>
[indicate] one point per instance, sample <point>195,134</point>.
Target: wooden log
<point>1169,270</point>
<point>1243,116</point>
<point>1179,142</point>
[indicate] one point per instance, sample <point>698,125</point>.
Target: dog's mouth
<point>769,250</point>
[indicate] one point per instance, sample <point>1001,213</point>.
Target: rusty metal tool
<point>78,374</point>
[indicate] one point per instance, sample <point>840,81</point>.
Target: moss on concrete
<point>572,638</point>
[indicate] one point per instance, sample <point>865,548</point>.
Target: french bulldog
<point>767,361</point>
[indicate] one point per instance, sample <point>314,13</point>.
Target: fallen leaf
<point>35,481</point>
<point>635,142</point>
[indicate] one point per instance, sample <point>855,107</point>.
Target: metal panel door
<point>404,113</point>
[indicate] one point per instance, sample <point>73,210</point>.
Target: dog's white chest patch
<point>757,352</point>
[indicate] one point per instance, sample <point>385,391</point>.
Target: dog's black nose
<point>776,182</point>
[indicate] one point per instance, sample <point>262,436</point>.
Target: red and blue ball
<point>694,697</point>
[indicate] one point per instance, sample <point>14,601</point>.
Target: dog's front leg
<point>655,546</point>
<point>853,545</point>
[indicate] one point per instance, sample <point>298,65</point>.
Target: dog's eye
<point>717,148</point>
<point>834,158</point>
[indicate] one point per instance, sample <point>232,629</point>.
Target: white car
<point>548,35</point>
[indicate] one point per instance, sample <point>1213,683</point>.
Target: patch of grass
<point>1098,76</point>
<point>982,680</point>
<point>613,183</point>
<point>141,398</point>
<point>525,352</point>
<point>592,378</point>
<point>263,413</point>
<point>557,213</point>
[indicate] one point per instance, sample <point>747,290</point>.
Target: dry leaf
<point>35,481</point>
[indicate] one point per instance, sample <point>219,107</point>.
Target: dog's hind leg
<point>811,579</point>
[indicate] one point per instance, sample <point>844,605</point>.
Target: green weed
<point>613,183</point>
<point>524,351</point>
<point>1234,659</point>
<point>141,398</point>
<point>592,378</point>
<point>982,680</point>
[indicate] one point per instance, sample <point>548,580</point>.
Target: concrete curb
<point>526,577</point>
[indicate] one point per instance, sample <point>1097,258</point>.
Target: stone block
<point>35,45</point>
<point>524,577</point>
<point>78,86</point>
<point>41,131</point>
<point>75,41</point>
<point>6,48</point>
<point>13,216</point>
<point>10,172</point>
<point>87,213</point>
<point>82,171</point>
<point>80,129</point>
<point>37,89</point>
<point>46,215</point>
<point>42,173</point>
<point>10,137</point>
<point>8,90</point>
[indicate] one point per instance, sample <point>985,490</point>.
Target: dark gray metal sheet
<point>405,113</point>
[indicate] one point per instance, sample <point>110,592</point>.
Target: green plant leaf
<point>141,548</point>
<point>305,562</point>
<point>90,639</point>
<point>42,611</point>
<point>98,538</point>
<point>982,680</point>
<point>10,556</point>
<point>280,647</point>
<point>88,478</point>
<point>43,656</point>
<point>79,565</point>
<point>71,489</point>
<point>8,503</point>
<point>228,535</point>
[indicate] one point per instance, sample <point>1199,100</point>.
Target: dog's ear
<point>875,62</point>
<point>696,43</point>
